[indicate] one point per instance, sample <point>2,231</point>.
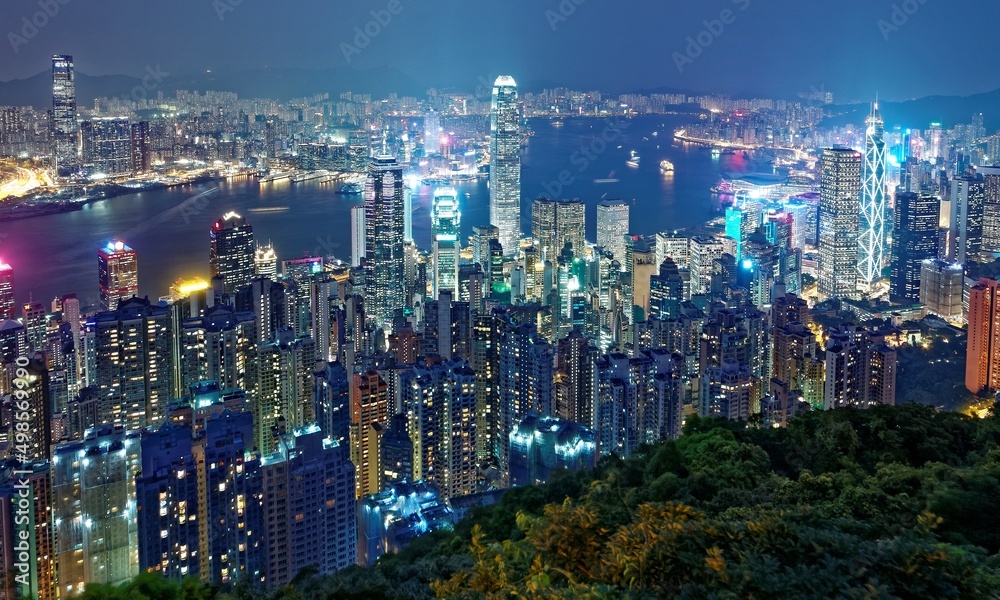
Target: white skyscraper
<point>612,227</point>
<point>505,164</point>
<point>872,234</point>
<point>357,235</point>
<point>445,231</point>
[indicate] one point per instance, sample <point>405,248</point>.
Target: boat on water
<point>558,122</point>
<point>607,180</point>
<point>633,160</point>
<point>666,166</point>
<point>351,189</point>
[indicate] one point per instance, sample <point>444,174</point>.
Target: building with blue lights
<point>390,519</point>
<point>540,446</point>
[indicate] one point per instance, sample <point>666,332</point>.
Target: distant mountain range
<point>284,84</point>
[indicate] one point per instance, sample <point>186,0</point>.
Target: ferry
<point>350,189</point>
<point>633,160</point>
<point>558,123</point>
<point>666,166</point>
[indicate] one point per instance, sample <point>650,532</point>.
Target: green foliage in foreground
<point>895,502</point>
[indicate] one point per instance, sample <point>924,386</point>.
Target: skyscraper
<point>6,291</point>
<point>118,274</point>
<point>369,418</point>
<point>357,235</point>
<point>555,222</point>
<point>839,211</point>
<point>612,227</point>
<point>916,240</point>
<point>982,363</point>
<point>106,145</point>
<point>874,210</point>
<point>505,163</point>
<point>445,231</point>
<point>384,232</point>
<point>968,200</point>
<point>140,152</point>
<point>65,132</point>
<point>232,252</point>
<point>265,262</point>
<point>527,367</point>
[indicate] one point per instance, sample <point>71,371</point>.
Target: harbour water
<point>57,254</point>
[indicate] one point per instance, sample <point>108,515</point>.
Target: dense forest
<point>894,502</point>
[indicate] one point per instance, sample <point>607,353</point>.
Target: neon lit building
<point>874,209</point>
<point>839,214</point>
<point>6,291</point>
<point>118,273</point>
<point>540,446</point>
<point>394,516</point>
<point>446,232</point>
<point>232,252</point>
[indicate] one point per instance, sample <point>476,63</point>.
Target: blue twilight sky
<point>902,48</point>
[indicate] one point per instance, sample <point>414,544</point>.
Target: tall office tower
<point>94,510</point>
<point>280,380</point>
<point>527,365</point>
<point>505,164</point>
<point>231,546</point>
<point>916,238</point>
<point>482,235</point>
<point>555,222</point>
<point>358,239</point>
<point>25,492</point>
<point>496,285</point>
<point>218,346</point>
<point>265,262</point>
<point>675,246</point>
<point>370,408</point>
<point>574,380</point>
<point>106,145</point>
<point>167,503</point>
<point>232,252</point>
<point>485,358</point>
<point>440,402</point>
<point>446,229</point>
<point>309,501</point>
<point>666,292</point>
<point>332,401</point>
<point>991,210</point>
<point>942,289</point>
<point>384,225</point>
<point>139,152</point>
<point>872,235</point>
<point>839,213</point>
<point>542,446</point>
<point>33,315</point>
<point>860,369</point>
<point>397,451</point>
<point>34,409</point>
<point>612,227</point>
<point>65,132</point>
<point>982,363</point>
<point>432,132</point>
<point>118,274</point>
<point>704,251</point>
<point>6,291</point>
<point>129,360</point>
<point>629,409</point>
<point>968,199</point>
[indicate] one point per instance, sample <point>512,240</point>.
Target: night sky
<point>769,47</point>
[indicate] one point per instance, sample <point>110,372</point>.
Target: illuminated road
<point>25,181</point>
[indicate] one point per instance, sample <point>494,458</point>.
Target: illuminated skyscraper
<point>118,272</point>
<point>527,369</point>
<point>968,200</point>
<point>916,240</point>
<point>232,252</point>
<point>369,418</point>
<point>384,232</point>
<point>445,231</point>
<point>357,235</point>
<point>65,132</point>
<point>982,363</point>
<point>874,210</point>
<point>612,227</point>
<point>839,212</point>
<point>555,222</point>
<point>107,145</point>
<point>505,164</point>
<point>6,291</point>
<point>265,262</point>
<point>432,132</point>
<point>140,151</point>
